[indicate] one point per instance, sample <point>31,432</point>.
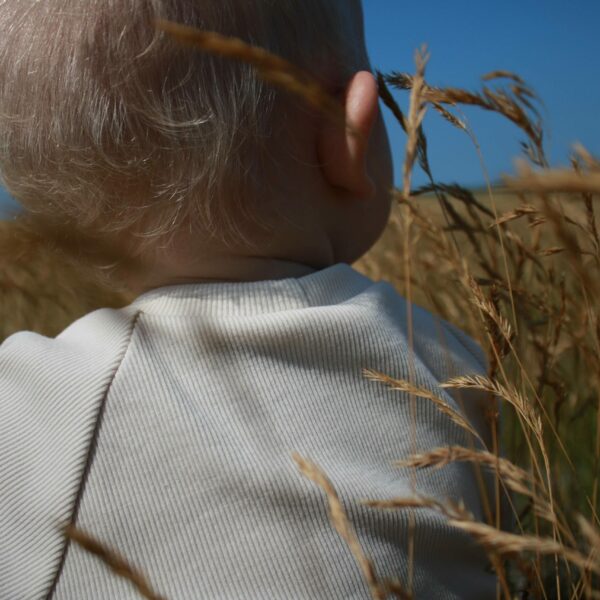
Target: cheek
<point>380,162</point>
<point>382,174</point>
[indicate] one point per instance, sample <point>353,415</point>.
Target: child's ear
<point>343,154</point>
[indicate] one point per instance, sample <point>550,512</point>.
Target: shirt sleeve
<point>51,394</point>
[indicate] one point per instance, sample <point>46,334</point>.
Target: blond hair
<point>109,125</point>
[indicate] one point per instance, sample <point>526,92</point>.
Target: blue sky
<point>552,44</point>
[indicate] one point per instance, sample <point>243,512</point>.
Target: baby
<point>233,211</point>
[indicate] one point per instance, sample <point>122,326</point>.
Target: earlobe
<point>343,152</point>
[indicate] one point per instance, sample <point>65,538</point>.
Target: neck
<point>224,269</point>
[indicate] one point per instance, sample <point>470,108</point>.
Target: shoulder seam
<point>90,457</point>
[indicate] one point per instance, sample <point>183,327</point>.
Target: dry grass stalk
<point>512,477</point>
<point>517,213</point>
<point>415,146</point>
<point>117,564</point>
<point>507,393</point>
<point>448,410</point>
<point>405,386</point>
<point>550,251</point>
<point>516,479</point>
<point>416,114</point>
<point>529,415</point>
<point>451,118</point>
<point>270,67</point>
<point>488,309</point>
<point>450,510</point>
<point>502,326</point>
<point>553,181</point>
<point>338,518</point>
<point>514,103</point>
<point>582,155</point>
<point>453,512</point>
<point>591,534</point>
<point>495,541</point>
<point>502,542</point>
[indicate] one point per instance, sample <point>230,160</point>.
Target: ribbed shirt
<point>166,430</point>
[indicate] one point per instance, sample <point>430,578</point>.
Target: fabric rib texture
<point>166,430</point>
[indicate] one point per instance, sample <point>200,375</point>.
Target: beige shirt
<point>166,430</point>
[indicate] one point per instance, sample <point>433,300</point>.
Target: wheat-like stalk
<point>402,385</point>
<point>508,393</point>
<point>516,478</point>
<point>379,590</point>
<point>113,560</point>
<point>270,67</point>
<point>553,181</point>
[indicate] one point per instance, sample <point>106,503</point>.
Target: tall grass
<point>43,288</point>
<point>519,270</point>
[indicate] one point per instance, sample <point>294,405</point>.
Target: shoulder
<point>457,353</point>
<point>442,346</point>
<point>37,371</point>
<point>51,391</point>
<point>467,344</point>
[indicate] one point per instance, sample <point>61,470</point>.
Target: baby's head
<point>114,132</point>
